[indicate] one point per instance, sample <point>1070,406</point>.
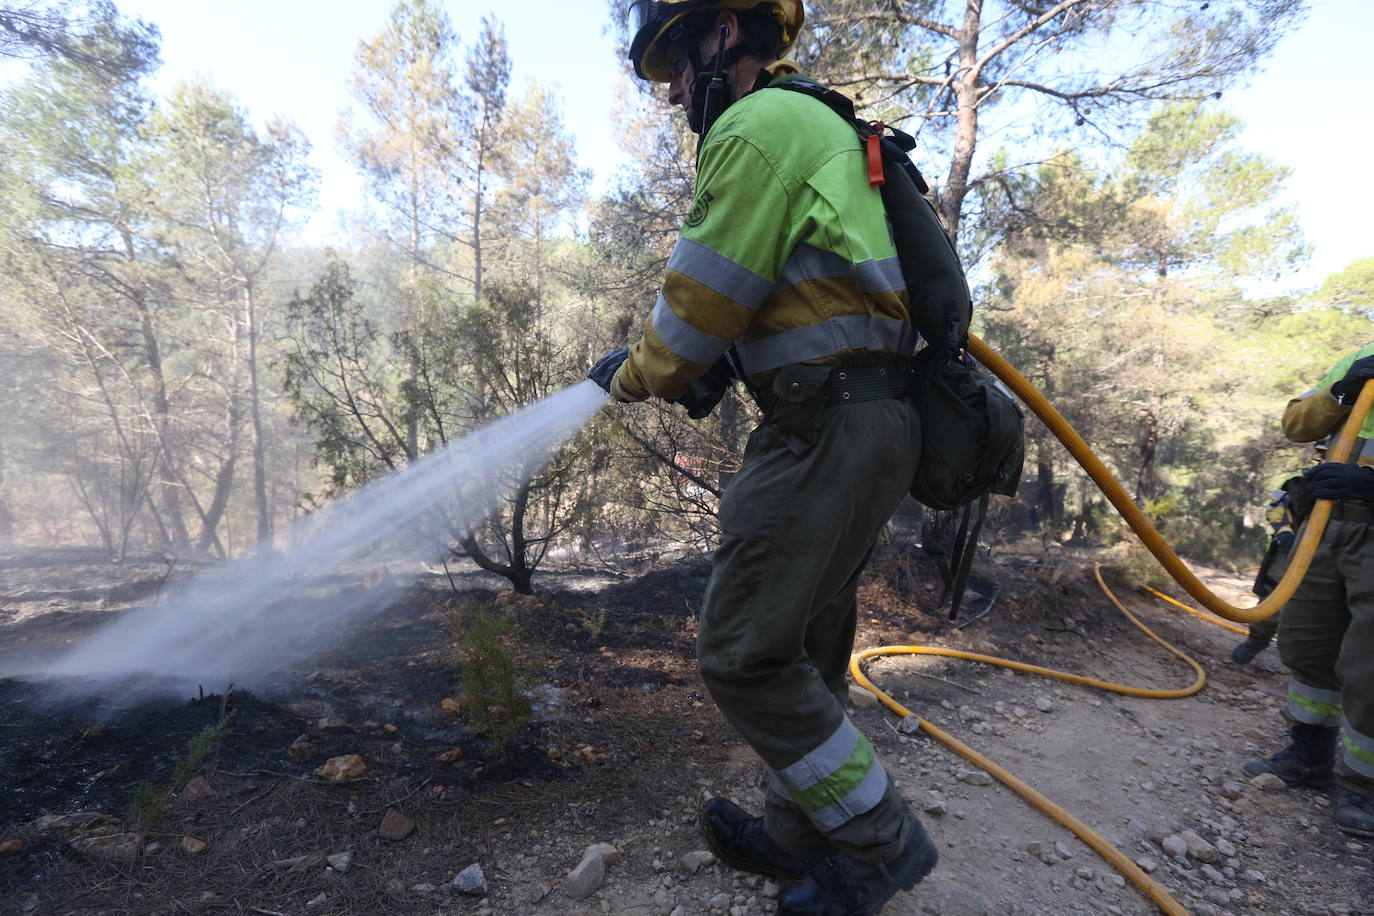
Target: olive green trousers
<point>1326,638</point>
<point>1266,629</point>
<point>797,523</point>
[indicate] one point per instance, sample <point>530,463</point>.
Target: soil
<point>622,746</point>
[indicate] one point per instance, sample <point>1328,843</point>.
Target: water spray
<point>249,618</point>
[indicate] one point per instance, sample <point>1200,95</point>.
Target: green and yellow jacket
<point>786,253</point>
<point>1316,416</point>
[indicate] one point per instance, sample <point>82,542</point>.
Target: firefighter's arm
<point>1312,416</point>
<point>726,261</point>
<point>1319,411</point>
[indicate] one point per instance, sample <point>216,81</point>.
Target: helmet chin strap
<point>711,91</point>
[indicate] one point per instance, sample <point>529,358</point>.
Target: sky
<point>1308,107</point>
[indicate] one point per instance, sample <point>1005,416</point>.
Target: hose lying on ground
<point>1297,567</point>
<point>1152,888</point>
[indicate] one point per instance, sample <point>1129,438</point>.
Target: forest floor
<point>622,748</point>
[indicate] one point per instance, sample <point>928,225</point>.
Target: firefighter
<point>1282,520</point>
<point>1326,635</point>
<point>785,263</point>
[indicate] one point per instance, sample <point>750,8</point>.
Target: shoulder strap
<point>965,546</point>
<point>837,102</point>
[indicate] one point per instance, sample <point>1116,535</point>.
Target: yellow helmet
<point>654,22</point>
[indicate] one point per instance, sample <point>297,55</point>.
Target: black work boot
<point>844,886</point>
<point>1355,813</point>
<point>739,841</point>
<point>1306,761</point>
<point>1246,651</point>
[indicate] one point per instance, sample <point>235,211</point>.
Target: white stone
<point>861,697</point>
<point>470,881</point>
<point>1200,849</point>
<point>1268,782</point>
<point>584,880</point>
<point>694,861</point>
<point>1174,845</point>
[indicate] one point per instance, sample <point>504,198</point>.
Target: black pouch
<point>1300,499</point>
<point>798,406</point>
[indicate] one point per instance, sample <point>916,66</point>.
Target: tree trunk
<point>224,481</point>
<point>1149,447</point>
<point>255,422</point>
<point>1044,488</point>
<point>152,353</point>
<point>413,415</point>
<point>477,213</point>
<point>965,87</point>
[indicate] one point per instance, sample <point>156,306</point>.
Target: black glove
<point>1340,481</point>
<point>704,393</point>
<point>1348,388</point>
<point>606,367</point>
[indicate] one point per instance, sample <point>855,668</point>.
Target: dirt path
<point>637,746</point>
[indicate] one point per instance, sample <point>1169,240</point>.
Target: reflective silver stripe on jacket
<point>718,273</point>
<point>686,341</point>
<point>809,263</point>
<point>846,332</point>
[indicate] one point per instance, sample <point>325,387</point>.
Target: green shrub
<point>149,806</point>
<point>487,651</point>
<point>204,743</point>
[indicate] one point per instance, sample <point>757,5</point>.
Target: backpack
<point>972,431</point>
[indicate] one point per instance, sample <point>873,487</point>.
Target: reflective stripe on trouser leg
<point>1355,667</point>
<point>1313,705</point>
<point>1359,750</point>
<point>835,782</point>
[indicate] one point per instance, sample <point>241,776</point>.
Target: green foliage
<point>1138,566</point>
<point>489,649</point>
<point>1351,290</point>
<point>594,621</point>
<point>150,803</point>
<point>341,382</point>
<point>202,746</point>
<point>149,806</point>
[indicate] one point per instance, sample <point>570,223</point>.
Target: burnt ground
<point>622,745</point>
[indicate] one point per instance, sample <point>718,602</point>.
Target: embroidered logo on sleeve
<point>700,207</point>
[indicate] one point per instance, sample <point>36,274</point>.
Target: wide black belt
<point>849,385</point>
<point>1353,510</point>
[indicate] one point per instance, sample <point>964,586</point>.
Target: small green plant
<point>594,622</point>
<point>150,803</point>
<point>149,806</point>
<point>487,650</point>
<point>204,743</point>
<point>1138,566</point>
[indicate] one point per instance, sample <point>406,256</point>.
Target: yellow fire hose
<point>1152,888</point>
<point>1297,568</point>
<point>1307,542</point>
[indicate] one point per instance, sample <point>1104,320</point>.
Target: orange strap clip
<point>875,155</point>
